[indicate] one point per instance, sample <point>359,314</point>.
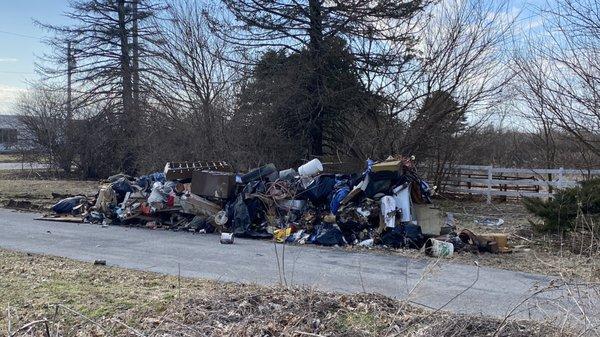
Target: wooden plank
<point>468,167</point>
<point>581,172</point>
<point>501,193</point>
<point>519,182</point>
<point>512,182</point>
<point>524,170</point>
<point>62,219</point>
<point>503,169</point>
<point>494,187</point>
<point>490,169</point>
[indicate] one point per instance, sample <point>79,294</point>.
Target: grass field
<point>71,298</point>
<point>10,158</point>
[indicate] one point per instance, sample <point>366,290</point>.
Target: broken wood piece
<point>196,205</point>
<point>72,219</point>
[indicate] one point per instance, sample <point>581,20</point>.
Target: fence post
<point>560,178</point>
<point>489,184</point>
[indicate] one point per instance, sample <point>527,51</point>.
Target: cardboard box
<point>395,165</point>
<point>213,184</point>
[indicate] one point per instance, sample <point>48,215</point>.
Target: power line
<point>19,34</point>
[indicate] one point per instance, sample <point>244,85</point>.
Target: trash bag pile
<point>387,204</point>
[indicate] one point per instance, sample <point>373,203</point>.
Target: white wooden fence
<point>511,182</point>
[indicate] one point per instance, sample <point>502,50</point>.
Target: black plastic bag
<point>320,191</point>
<point>121,187</point>
<point>329,235</point>
<point>393,237</point>
<point>413,236</point>
<point>241,216</point>
<point>66,205</point>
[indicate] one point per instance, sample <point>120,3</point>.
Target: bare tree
<point>461,52</point>
<point>106,40</point>
<point>533,109</point>
<point>192,78</point>
<point>43,114</point>
<point>560,70</point>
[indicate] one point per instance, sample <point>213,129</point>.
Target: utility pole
<point>69,116</point>
<point>70,70</point>
<point>136,58</point>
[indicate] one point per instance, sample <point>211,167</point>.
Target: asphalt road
<point>455,287</point>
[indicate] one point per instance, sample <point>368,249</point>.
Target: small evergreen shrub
<point>561,211</point>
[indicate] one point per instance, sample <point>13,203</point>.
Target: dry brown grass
<point>534,252</point>
<point>80,299</point>
<point>10,158</point>
<point>39,192</point>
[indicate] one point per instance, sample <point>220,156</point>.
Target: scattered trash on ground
<point>491,222</point>
<point>387,204</point>
<point>227,238</point>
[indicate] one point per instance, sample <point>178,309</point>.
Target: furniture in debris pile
<point>184,170</point>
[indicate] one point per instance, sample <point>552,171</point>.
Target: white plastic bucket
<point>439,248</point>
<point>311,168</point>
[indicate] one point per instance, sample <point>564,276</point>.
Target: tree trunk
<point>129,119</point>
<point>316,87</point>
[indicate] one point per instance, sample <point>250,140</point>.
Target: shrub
<point>561,211</point>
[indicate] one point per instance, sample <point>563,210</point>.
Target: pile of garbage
<point>387,204</point>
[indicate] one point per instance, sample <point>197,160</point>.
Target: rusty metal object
<point>493,243</point>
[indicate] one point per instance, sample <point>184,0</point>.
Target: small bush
<point>562,210</point>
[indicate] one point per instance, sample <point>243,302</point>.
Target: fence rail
<point>512,182</point>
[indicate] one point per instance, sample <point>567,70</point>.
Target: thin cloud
<point>8,98</point>
<point>8,59</point>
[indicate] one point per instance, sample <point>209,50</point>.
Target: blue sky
<point>20,43</point>
<point>20,40</point>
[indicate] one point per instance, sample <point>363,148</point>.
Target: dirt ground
<point>533,251</point>
<point>42,295</point>
<point>36,194</point>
